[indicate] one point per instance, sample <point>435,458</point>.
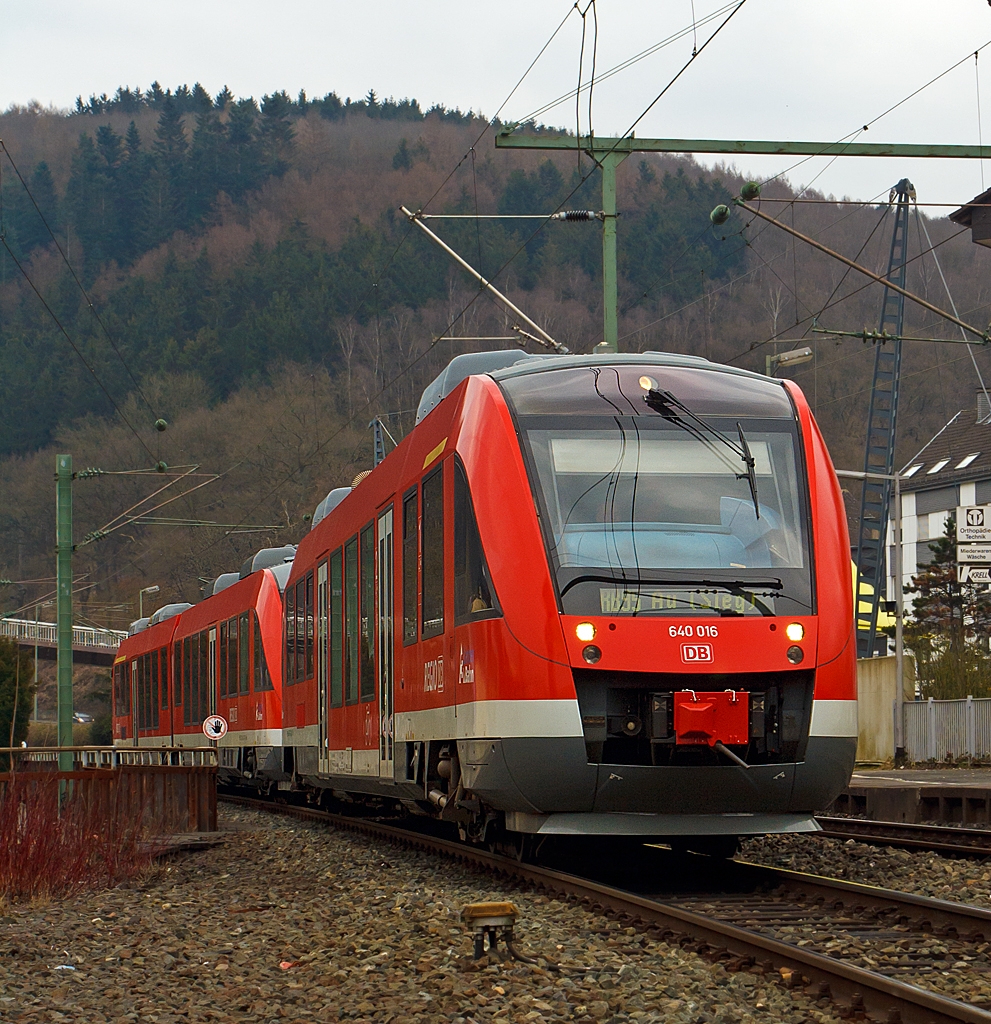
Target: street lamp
<point>153,589</point>
<point>792,358</point>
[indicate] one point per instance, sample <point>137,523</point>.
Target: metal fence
<point>940,730</point>
<point>29,631</point>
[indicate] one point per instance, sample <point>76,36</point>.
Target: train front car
<point>697,550</point>
<point>585,596</point>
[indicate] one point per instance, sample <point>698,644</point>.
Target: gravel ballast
<point>293,921</point>
<point>961,879</point>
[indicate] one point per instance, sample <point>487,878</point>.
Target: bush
<point>53,846</point>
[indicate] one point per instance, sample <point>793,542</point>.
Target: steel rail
<point>911,836</point>
<point>862,991</point>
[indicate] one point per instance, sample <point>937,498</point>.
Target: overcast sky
<point>781,69</point>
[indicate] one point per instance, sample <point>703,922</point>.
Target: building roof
<point>960,453</point>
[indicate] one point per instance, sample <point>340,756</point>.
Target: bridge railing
<point>29,631</point>
<point>43,758</point>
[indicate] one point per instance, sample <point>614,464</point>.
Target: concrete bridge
<point>90,645</point>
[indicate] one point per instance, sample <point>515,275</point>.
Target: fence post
<point>931,730</point>
<point>970,720</point>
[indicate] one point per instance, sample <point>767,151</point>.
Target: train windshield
<point>690,503</point>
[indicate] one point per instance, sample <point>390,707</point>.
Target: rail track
<point>970,842</point>
<point>752,918</point>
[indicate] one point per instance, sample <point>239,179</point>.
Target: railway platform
<point>959,796</point>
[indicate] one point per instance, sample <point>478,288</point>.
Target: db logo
<point>696,652</point>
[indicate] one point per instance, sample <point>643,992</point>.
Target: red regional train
<point>222,656</point>
<point>586,596</point>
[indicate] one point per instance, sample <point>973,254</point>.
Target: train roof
<point>674,359</point>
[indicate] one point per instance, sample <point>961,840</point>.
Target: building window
<point>937,467</point>
<point>912,470</point>
<point>966,460</point>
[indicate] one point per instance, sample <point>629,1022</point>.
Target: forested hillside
<point>253,284</point>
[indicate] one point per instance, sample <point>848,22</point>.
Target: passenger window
<point>433,553</point>
<point>351,619</point>
<point>154,689</point>
<point>309,625</point>
<point>474,595</point>
<point>245,638</point>
<point>223,659</point>
<point>336,632</point>
<point>177,673</point>
<point>187,676</point>
<point>410,555</point>
<point>300,630</point>
<point>263,681</point>
<point>290,636</point>
<point>367,612</point>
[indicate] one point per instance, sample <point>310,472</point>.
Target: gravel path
<point>292,921</point>
<point>963,880</point>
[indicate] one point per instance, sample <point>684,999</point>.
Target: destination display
<point>624,601</point>
<point>974,524</point>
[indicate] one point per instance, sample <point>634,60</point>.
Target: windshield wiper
<point>672,409</point>
<point>733,586</point>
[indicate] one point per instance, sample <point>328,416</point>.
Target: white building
<point>953,469</point>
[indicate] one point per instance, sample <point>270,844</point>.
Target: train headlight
<point>585,631</point>
<point>795,655</point>
<point>591,654</point>
<point>795,631</point>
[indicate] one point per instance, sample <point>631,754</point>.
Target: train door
<point>133,682</point>
<point>323,760</point>
<point>385,644</point>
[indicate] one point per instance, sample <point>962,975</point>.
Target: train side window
<point>223,659</point>
<point>300,629</point>
<point>245,640</point>
<point>474,595</point>
<point>432,534</point>
<point>351,620</point>
<point>231,655</point>
<point>411,552</point>
<point>177,673</point>
<point>263,680</point>
<point>163,657</point>
<point>366,613</point>
<point>204,678</point>
<point>187,676</point>
<point>290,672</point>
<point>309,625</point>
<point>336,631</point>
<point>154,689</point>
<point>141,691</point>
<point>126,687</point>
